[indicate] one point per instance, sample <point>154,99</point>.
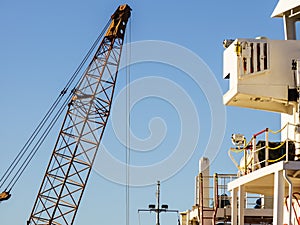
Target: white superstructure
<point>263,74</point>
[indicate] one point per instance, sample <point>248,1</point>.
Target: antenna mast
<point>156,208</point>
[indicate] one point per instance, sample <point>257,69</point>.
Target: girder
<point>78,141</point>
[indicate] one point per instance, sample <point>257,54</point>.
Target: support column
<point>278,198</point>
<point>241,204</point>
<point>234,204</point>
<point>184,218</point>
<point>289,28</point>
<point>204,169</point>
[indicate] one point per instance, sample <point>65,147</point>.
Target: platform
<point>278,180</point>
<point>262,181</point>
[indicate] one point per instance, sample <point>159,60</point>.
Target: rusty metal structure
<point>75,150</point>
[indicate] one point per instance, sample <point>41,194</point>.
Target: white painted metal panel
<point>260,73</point>
<point>283,6</point>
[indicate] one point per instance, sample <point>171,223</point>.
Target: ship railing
<point>257,201</point>
<point>258,154</point>
<point>212,191</point>
<point>205,190</point>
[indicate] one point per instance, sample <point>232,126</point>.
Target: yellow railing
<point>250,160</point>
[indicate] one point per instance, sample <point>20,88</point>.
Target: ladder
<point>204,211</point>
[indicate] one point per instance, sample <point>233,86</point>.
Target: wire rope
<point>128,57</point>
<point>36,147</point>
<point>43,122</point>
<point>93,47</point>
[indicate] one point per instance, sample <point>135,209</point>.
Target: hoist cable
<point>128,58</point>
<point>88,54</point>
<point>23,150</point>
<point>36,146</point>
<point>48,115</point>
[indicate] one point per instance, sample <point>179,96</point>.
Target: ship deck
<point>278,180</point>
<point>262,181</point>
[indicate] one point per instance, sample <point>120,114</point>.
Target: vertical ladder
<point>206,212</point>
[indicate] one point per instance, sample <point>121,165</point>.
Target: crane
<point>81,132</point>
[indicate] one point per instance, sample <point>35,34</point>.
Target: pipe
<point>290,195</point>
<point>260,132</point>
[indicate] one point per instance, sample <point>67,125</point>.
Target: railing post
<point>216,190</point>
<point>197,190</point>
<point>267,147</point>
<point>287,149</point>
<point>201,198</point>
<point>254,152</point>
<point>216,197</point>
<point>286,142</point>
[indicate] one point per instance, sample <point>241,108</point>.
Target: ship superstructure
<point>263,74</point>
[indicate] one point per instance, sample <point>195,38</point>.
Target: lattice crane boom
<point>75,150</point>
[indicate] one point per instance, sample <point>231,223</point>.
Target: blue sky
<point>42,43</point>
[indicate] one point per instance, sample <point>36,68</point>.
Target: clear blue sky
<point>41,44</point>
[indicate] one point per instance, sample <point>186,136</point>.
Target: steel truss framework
<point>80,136</point>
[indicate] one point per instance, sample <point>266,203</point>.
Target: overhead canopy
<point>284,6</point>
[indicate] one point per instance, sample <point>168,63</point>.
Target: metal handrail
<point>250,151</point>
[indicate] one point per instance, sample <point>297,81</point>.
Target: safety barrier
<point>212,193</point>
<point>257,154</point>
<point>208,199</point>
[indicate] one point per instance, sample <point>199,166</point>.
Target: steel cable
<point>43,122</point>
